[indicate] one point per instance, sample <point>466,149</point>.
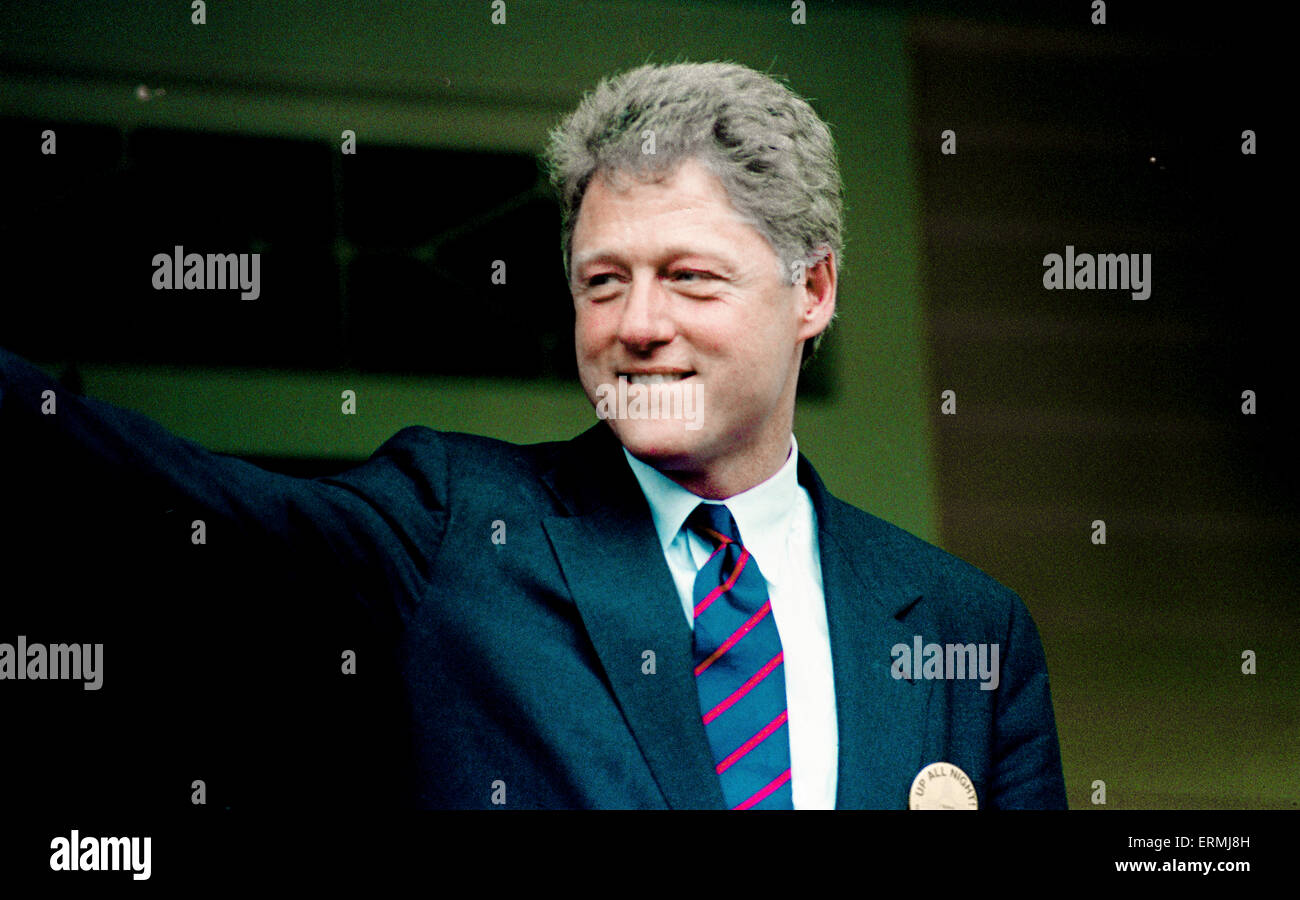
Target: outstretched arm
<point>362,523</point>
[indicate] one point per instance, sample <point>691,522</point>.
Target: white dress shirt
<point>779,528</point>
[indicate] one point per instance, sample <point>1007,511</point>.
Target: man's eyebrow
<point>670,253</point>
<point>587,259</point>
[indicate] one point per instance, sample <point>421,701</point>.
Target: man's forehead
<point>692,203</point>
<point>659,238</point>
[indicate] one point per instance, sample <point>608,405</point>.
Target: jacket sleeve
<point>366,525</point>
<point>1027,756</point>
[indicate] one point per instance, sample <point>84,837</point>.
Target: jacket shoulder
<point>947,588</point>
<point>443,468</point>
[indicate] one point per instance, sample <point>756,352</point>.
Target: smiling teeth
<point>655,379</point>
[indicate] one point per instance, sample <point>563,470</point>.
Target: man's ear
<point>817,296</point>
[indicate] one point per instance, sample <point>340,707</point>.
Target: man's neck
<point>727,480</point>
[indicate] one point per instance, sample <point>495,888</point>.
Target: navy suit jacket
<point>520,590</point>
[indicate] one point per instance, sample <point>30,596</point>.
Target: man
<point>670,610</point>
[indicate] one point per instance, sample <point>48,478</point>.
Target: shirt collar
<point>761,513</point>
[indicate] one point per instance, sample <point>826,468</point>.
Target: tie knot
<point>714,522</point>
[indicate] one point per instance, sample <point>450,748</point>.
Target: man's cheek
<point>590,333</point>
<point>588,352</point>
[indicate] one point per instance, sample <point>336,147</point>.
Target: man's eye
<point>597,280</point>
<point>690,273</point>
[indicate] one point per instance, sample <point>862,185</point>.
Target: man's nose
<point>647,316</point>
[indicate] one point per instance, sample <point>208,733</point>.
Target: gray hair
<point>773,154</point>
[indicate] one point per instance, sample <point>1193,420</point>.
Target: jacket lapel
<point>609,553</point>
<point>881,720</point>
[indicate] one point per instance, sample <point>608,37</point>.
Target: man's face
<point>668,280</point>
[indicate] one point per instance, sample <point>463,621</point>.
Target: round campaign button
<point>942,785</point>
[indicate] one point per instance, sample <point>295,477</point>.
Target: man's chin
<point>664,444</point>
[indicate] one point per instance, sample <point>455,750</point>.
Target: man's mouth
<point>655,377</point>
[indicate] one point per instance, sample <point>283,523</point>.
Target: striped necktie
<point>739,669</point>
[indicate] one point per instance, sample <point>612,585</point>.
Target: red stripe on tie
<point>762,793</point>
<point>744,688</point>
<point>751,743</point>
<point>716,550</point>
<point>718,536</point>
<point>731,641</point>
<point>726,585</point>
